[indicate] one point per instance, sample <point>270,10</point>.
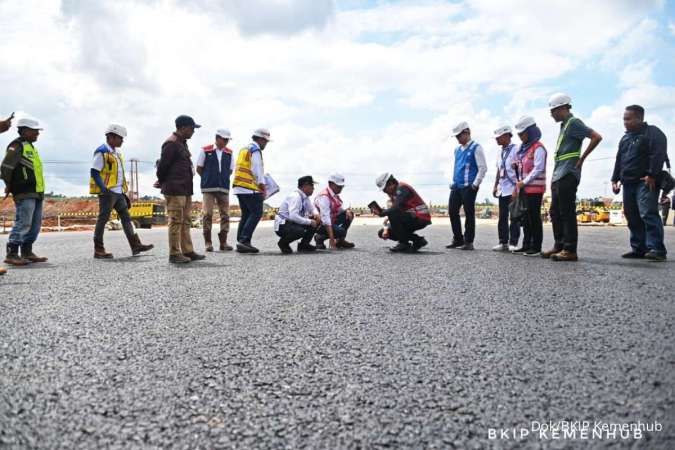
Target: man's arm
<point>402,194</point>
<point>482,166</point>
<point>201,159</point>
<point>657,152</point>
<point>595,140</point>
<point>9,163</point>
<point>169,152</point>
<point>294,211</point>
<point>257,170</point>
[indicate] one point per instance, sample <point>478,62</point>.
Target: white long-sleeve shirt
<point>256,168</point>
<point>539,165</point>
<point>297,208</point>
<point>323,202</point>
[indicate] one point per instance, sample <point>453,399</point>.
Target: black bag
<point>664,180</point>
<point>518,207</point>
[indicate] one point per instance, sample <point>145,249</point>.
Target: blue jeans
<point>251,206</point>
<point>641,207</point>
<point>27,222</point>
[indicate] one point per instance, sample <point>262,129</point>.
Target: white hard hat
<point>559,99</point>
<point>503,130</point>
<point>262,133</point>
<point>524,123</point>
<point>224,133</point>
<point>381,181</point>
<point>337,179</point>
<point>459,128</point>
<point>28,123</point>
<point>116,129</point>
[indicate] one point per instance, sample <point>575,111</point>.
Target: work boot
<point>194,256</point>
<point>343,243</point>
<point>305,247</point>
<point>418,242</point>
<point>401,247</point>
<point>244,247</point>
<point>13,257</point>
<point>208,245</point>
<point>633,255</point>
<point>455,244</point>
<point>100,253</point>
<point>222,237</point>
<point>137,247</point>
<point>549,253</point>
<point>27,253</point>
<point>284,247</point>
<point>179,259</point>
<point>564,255</point>
<point>3,271</point>
<point>651,255</point>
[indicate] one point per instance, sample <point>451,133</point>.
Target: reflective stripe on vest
<point>537,185</point>
<point>569,155</point>
<point>243,175</point>
<point>109,172</point>
<point>31,159</point>
<point>415,204</point>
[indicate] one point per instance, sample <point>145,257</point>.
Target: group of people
<point>520,183</point>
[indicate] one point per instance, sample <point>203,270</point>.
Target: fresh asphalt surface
<point>349,349</point>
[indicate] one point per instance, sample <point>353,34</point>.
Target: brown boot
<point>343,243</point>
<point>549,253</point>
<point>222,237</point>
<point>27,253</point>
<point>208,244</point>
<point>565,255</point>
<point>3,271</point>
<point>137,247</point>
<point>100,253</point>
<point>13,257</point>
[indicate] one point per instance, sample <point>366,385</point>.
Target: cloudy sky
<point>358,87</point>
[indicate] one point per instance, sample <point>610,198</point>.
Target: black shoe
<point>633,255</point>
<point>179,259</point>
<point>243,247</point>
<point>455,244</point>
<point>533,252</point>
<point>467,246</point>
<point>319,243</point>
<point>418,243</point>
<point>343,244</point>
<point>401,247</point>
<point>194,256</point>
<point>520,251</point>
<point>306,248</point>
<point>656,257</point>
<point>284,247</point>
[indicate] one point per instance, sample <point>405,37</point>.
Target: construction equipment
<point>146,214</point>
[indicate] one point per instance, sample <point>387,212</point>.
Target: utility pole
<point>133,179</point>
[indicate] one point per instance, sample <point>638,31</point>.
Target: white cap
<point>559,99</point>
<point>223,133</point>
<point>28,123</point>
<point>337,179</point>
<point>116,129</point>
<point>381,181</point>
<point>524,123</point>
<point>262,133</point>
<point>503,130</point>
<point>457,130</point>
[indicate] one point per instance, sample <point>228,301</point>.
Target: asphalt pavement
<point>349,349</point>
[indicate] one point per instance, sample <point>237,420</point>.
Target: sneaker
<point>401,247</point>
<point>285,248</point>
<point>532,252</point>
<point>208,247</point>
<point>500,248</point>
<point>633,255</point>
<point>565,255</point>
<point>306,248</point>
<point>179,259</point>
<point>243,247</point>
<point>549,253</point>
<point>467,246</point>
<point>419,243</point>
<point>513,248</point>
<point>651,255</point>
<point>455,244</point>
<point>194,256</point>
<point>519,251</point>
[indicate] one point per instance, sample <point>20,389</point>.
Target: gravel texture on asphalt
<point>349,349</point>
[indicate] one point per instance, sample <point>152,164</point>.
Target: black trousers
<point>106,203</point>
<point>340,227</point>
<point>466,198</point>
<point>508,233</point>
<point>533,230</point>
<point>291,231</point>
<point>402,225</point>
<point>564,213</point>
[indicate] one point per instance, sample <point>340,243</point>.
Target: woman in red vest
<point>531,165</point>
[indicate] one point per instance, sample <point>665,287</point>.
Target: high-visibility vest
<point>538,185</point>
<point>415,205</point>
<point>572,154</point>
<point>27,176</point>
<point>243,175</point>
<point>109,171</point>
<point>334,201</point>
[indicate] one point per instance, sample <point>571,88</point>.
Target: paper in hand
<point>271,186</point>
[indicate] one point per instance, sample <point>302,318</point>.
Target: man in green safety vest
<point>566,177</point>
<point>21,171</point>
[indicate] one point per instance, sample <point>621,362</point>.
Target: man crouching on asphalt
<point>297,218</point>
<point>407,214</point>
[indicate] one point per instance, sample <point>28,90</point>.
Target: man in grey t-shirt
<point>566,177</point>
